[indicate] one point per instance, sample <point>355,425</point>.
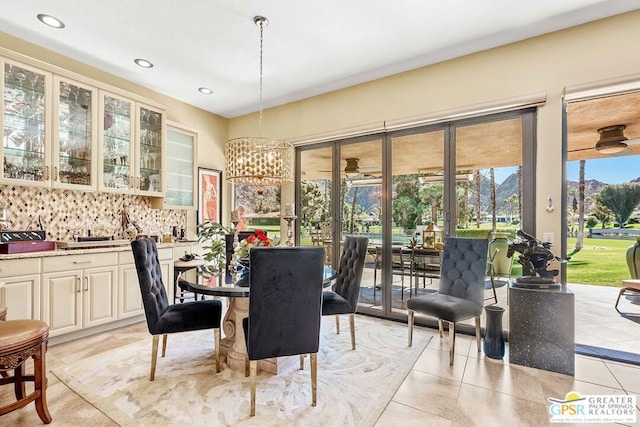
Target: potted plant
<point>211,238</point>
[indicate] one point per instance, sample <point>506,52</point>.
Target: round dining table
<point>232,346</point>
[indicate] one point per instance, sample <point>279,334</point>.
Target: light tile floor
<point>475,391</point>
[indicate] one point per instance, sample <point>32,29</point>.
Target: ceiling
<point>310,47</point>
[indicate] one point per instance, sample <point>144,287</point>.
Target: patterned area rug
<point>354,387</point>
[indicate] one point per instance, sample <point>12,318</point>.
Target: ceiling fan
<point>612,141</point>
<point>353,171</point>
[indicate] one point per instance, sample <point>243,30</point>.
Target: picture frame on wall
<point>209,195</point>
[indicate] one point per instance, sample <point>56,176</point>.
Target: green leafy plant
<point>211,238</point>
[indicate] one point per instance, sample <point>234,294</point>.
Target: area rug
<point>354,387</point>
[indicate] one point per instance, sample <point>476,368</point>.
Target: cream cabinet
<point>21,291</point>
<point>129,296</point>
<point>79,291</point>
<point>65,131</point>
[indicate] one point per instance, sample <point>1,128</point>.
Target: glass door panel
<point>181,145</point>
<point>360,212</point>
<point>488,176</point>
<point>150,151</point>
<point>74,154</point>
<point>417,210</point>
<point>314,221</point>
<point>116,145</point>
<point>25,124</point>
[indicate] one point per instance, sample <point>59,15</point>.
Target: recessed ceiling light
<point>143,63</point>
<point>205,90</point>
<point>51,21</point>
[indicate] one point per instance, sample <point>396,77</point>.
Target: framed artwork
<point>209,195</point>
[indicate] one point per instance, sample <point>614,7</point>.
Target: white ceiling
<point>310,47</point>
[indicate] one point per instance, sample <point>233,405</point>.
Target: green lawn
<point>600,262</point>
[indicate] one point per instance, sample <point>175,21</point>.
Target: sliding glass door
<point>409,189</point>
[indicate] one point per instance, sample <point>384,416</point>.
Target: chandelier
<point>259,160</point>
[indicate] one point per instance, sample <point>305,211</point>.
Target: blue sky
<point>611,170</point>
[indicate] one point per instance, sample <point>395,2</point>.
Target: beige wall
<point>212,128</point>
<point>591,52</point>
<point>601,50</point>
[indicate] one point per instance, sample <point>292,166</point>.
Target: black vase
<point>493,344</point>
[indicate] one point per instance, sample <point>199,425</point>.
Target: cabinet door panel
<point>129,297</point>
<point>99,300</point>
<point>22,297</point>
<point>62,297</point>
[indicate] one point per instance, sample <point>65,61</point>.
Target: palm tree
<point>492,178</point>
<point>476,180</point>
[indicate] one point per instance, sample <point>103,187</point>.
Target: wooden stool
<point>19,340</point>
<point>629,287</point>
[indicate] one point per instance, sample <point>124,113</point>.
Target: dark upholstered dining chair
<point>284,307</point>
<point>344,298</point>
<point>162,318</point>
<point>460,295</point>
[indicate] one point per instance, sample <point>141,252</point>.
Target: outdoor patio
<point>597,323</point>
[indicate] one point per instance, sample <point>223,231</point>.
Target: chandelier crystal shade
<point>258,160</point>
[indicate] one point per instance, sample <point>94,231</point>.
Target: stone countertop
<point>63,252</point>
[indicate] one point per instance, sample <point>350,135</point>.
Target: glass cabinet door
<point>150,152</point>
<point>180,170</point>
<point>74,147</point>
<point>25,124</point>
<point>116,165</point>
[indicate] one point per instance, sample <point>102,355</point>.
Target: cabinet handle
<point>82,262</point>
<point>79,287</point>
<point>46,173</point>
<point>55,173</point>
<point>138,182</point>
<point>86,283</point>
<point>131,182</point>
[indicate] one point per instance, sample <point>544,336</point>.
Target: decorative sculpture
<point>535,257</point>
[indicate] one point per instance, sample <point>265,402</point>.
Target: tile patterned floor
<point>475,391</point>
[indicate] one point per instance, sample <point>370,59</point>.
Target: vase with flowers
<point>241,252</point>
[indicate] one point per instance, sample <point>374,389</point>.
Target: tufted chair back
<point>464,265</point>
<point>154,297</point>
<point>350,269</point>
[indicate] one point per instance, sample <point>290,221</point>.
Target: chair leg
<point>154,356</point>
<point>440,328</point>
<point>164,344</point>
<point>618,300</point>
<point>478,332</point>
<point>352,326</point>
<point>338,324</point>
<point>40,384</point>
<point>246,366</point>
<point>216,340</point>
<point>18,385</point>
<point>314,378</point>
<point>411,314</point>
<point>302,362</point>
<point>253,369</point>
<point>452,341</point>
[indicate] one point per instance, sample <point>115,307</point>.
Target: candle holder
<point>289,219</point>
<point>236,242</point>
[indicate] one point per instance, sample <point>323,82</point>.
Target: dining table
<point>233,347</point>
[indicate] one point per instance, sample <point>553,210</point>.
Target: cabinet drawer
<point>74,262</point>
<point>126,257</point>
<point>19,267</point>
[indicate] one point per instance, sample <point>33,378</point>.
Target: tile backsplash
<point>65,213</point>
